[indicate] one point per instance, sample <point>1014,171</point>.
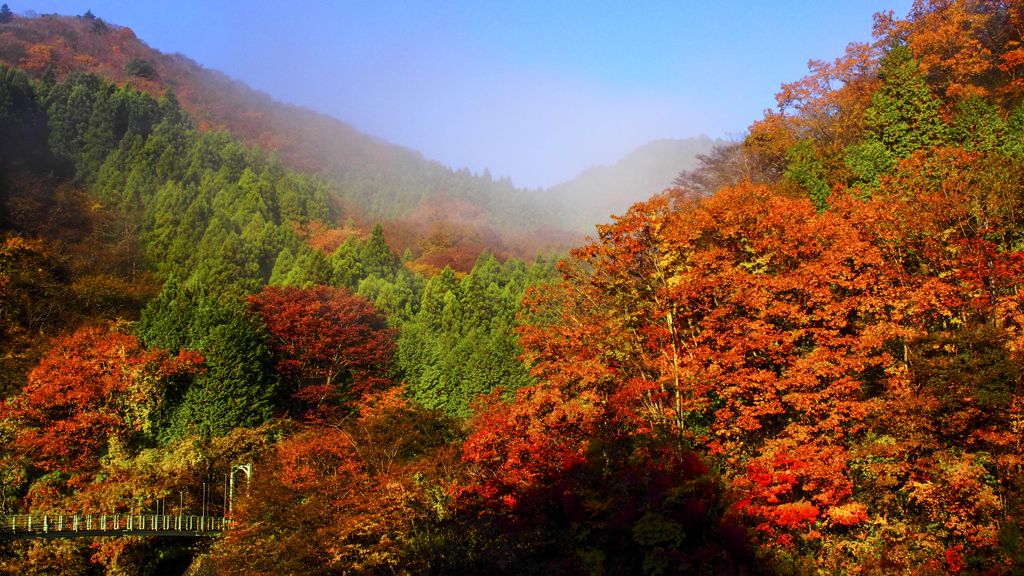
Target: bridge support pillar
<point>247,469</point>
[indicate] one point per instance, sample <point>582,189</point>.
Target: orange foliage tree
<point>960,43</point>
<point>348,493</point>
<point>96,391</point>
<point>330,346</point>
<point>790,348</point>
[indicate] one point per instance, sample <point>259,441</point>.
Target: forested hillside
<point>803,359</point>
<point>175,301</point>
<point>424,206</point>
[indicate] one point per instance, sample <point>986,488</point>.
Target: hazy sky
<point>536,90</point>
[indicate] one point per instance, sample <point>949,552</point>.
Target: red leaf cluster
<point>95,387</point>
<point>329,344</point>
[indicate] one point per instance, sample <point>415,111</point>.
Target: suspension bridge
<point>34,526</point>
<point>63,525</point>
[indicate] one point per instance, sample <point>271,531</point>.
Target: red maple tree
<point>95,388</point>
<point>330,345</point>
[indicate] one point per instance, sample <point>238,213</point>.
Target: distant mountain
<point>601,191</point>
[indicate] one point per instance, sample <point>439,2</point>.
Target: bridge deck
<point>27,526</point>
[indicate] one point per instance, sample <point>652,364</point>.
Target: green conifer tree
<point>977,126</point>
<point>376,255</point>
<point>807,171</point>
<point>347,264</point>
<point>238,387</point>
<point>903,118</point>
<point>1013,135</point>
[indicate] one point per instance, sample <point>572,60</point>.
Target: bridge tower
<point>247,470</point>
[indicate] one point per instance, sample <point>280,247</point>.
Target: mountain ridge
<point>372,179</point>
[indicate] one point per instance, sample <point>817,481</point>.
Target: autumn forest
<point>805,357</point>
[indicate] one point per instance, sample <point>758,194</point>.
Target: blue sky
<point>536,90</point>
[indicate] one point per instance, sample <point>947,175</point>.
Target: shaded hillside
<point>600,191</point>
<point>370,178</point>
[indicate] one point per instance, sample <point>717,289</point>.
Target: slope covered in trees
<point>270,323</point>
<point>372,180</point>
<point>805,359</point>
